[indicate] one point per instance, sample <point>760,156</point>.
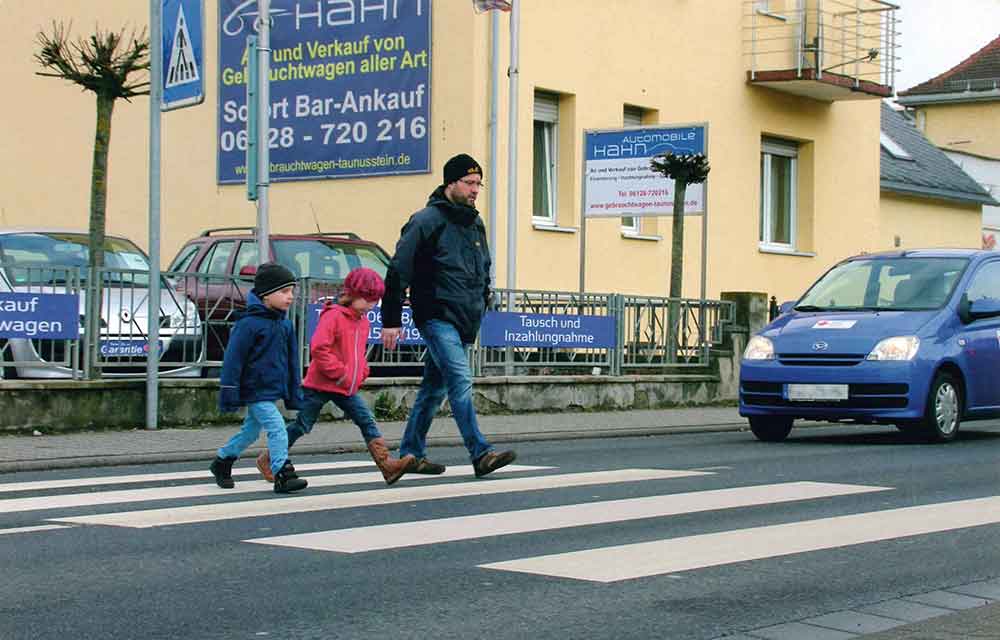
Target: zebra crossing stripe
<point>305,502</point>
<point>626,562</point>
<point>34,529</point>
<point>408,534</point>
<point>69,483</point>
<point>211,491</point>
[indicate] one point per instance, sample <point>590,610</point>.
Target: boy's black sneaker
<point>426,467</point>
<point>222,470</point>
<point>491,461</point>
<point>286,480</point>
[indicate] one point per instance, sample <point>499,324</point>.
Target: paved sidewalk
<point>106,448</point>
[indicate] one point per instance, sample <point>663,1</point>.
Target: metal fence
<point>197,312</point>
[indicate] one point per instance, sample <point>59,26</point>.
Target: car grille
<point>859,396</point>
<point>821,359</point>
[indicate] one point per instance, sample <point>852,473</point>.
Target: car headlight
<point>896,348</point>
<point>185,319</point>
<point>759,348</point>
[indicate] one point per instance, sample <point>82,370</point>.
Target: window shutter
<point>546,107</point>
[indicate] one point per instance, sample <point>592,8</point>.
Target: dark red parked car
<point>222,262</point>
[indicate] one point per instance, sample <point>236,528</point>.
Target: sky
<point>936,35</point>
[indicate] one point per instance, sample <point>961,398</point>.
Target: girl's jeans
<point>260,415</point>
<point>353,406</point>
<point>446,372</point>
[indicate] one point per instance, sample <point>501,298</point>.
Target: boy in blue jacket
<point>261,366</point>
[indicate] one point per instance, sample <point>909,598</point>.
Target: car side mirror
<point>980,308</point>
<point>785,307</point>
<point>248,272</point>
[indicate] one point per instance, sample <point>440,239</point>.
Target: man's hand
<point>390,337</point>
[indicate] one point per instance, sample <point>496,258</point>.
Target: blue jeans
<point>260,415</point>
<point>446,372</point>
<point>353,406</point>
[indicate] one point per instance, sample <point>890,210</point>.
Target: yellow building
<point>959,111</point>
<point>790,101</point>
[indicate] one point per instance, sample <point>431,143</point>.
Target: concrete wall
<point>911,220</point>
<point>68,406</point>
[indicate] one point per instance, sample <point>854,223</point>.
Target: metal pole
<point>515,19</point>
<point>263,129</point>
<point>494,140</point>
<point>153,301</point>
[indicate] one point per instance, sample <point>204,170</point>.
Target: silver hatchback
<point>55,262</point>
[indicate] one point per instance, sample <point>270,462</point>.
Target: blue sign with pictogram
<point>183,47</point>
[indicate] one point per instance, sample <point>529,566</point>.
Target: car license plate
<point>814,392</point>
<point>126,348</point>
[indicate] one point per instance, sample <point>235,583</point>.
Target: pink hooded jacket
<point>337,351</point>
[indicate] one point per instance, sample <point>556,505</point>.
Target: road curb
<point>194,455</point>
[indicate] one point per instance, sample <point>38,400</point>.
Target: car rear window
<point>327,260</point>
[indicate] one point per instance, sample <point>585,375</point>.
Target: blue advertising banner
<point>53,316</point>
<point>349,88</point>
<point>183,47</point>
<point>410,335</point>
<point>508,329</point>
<point>618,180</point>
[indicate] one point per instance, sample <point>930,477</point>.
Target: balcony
<point>825,50</point>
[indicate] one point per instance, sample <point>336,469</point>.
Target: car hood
<point>855,332</point>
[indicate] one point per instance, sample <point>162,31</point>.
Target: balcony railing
<point>822,49</point>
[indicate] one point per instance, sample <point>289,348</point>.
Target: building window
<point>631,117</point>
<point>778,193</point>
<point>893,147</point>
<point>545,158</point>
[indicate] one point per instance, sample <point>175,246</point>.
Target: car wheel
<point>943,413</point>
<point>770,428</point>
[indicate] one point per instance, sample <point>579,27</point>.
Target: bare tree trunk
<point>99,180</point>
<point>676,269</point>
<point>98,209</point>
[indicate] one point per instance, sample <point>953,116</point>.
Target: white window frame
<point>770,148</point>
<point>546,112</point>
<point>893,147</point>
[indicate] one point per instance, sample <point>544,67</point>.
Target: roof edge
<point>943,194</point>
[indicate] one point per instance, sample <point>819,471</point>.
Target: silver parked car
<point>55,262</point>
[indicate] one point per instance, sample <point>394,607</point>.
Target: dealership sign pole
<point>176,46</point>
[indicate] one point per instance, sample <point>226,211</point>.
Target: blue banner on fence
<point>410,335</point>
<point>53,316</point>
<point>349,91</point>
<point>506,329</point>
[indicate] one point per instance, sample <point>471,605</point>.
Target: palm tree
<point>683,170</point>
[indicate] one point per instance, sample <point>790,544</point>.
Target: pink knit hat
<point>364,283</point>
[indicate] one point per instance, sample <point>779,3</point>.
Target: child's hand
<point>390,337</point>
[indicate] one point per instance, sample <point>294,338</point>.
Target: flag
<point>491,5</point>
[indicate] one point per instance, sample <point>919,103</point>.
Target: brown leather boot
<point>391,468</point>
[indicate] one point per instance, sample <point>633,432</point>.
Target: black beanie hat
<point>460,166</point>
<point>270,277</point>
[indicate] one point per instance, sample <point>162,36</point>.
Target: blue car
<point>908,338</point>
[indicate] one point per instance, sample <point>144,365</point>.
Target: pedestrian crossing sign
<point>182,53</point>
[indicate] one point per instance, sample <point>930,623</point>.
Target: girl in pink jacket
<point>337,368</point>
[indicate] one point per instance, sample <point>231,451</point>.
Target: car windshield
<point>49,258</point>
<point>328,260</point>
<point>885,284</point>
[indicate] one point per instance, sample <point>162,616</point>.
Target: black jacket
<point>443,259</point>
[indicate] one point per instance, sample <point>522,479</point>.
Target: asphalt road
<point>745,540</point>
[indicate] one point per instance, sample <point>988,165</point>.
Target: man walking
<point>443,259</point>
